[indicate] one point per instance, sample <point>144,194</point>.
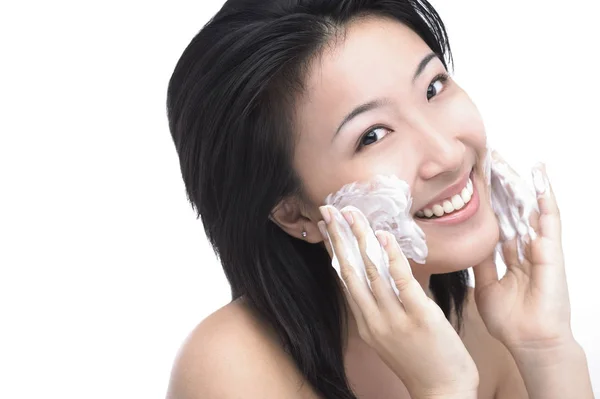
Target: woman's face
<point>374,103</point>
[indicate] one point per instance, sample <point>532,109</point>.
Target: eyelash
<point>442,77</point>
<point>371,130</point>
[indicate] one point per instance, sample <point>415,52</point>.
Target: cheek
<point>466,120</point>
<point>325,175</point>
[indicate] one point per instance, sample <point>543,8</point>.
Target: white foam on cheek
<point>513,203</point>
<point>385,204</point>
<point>385,201</point>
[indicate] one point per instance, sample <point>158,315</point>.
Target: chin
<point>459,246</point>
<point>464,250</point>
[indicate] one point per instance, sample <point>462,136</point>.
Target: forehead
<point>372,55</point>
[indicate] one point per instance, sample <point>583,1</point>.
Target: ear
<point>289,216</point>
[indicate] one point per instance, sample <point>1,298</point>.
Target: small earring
<point>304,234</point>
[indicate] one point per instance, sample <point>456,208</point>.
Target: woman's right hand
<point>409,331</point>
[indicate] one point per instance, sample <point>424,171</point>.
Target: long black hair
<point>230,104</point>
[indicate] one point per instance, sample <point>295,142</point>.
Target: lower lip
<point>459,216</point>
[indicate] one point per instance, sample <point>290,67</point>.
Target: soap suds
<point>513,202</point>
<point>385,202</point>
<point>351,250</point>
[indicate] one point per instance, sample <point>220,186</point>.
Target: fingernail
<point>382,238</point>
<point>538,181</point>
<point>348,217</point>
<point>323,230</point>
<point>326,214</point>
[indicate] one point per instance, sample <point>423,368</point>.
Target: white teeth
<point>438,210</point>
<point>450,205</point>
<point>447,205</point>
<point>457,202</point>
<point>465,194</point>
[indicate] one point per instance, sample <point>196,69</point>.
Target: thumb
<point>486,272</point>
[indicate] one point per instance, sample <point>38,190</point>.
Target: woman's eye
<point>372,136</point>
<point>436,86</point>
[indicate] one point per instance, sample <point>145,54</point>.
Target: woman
<point>276,104</point>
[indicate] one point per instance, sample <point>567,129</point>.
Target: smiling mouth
<point>450,205</point>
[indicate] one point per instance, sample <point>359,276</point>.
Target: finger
<point>342,245</point>
<point>382,289</point>
<point>549,220</point>
<point>509,252</point>
<point>326,243</point>
<point>410,291</point>
<point>355,309</point>
<point>358,317</point>
<point>534,220</point>
<point>517,253</point>
<point>485,273</point>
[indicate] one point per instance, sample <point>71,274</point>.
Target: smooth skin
<point>409,331</point>
<point>429,133</point>
<point>527,310</point>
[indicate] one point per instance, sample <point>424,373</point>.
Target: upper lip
<point>448,192</point>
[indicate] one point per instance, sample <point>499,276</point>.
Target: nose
<point>443,152</point>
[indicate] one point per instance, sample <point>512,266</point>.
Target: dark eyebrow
<point>381,102</point>
<point>423,64</point>
<point>359,110</point>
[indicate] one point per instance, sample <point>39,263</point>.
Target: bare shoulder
<point>494,361</point>
<point>232,354</point>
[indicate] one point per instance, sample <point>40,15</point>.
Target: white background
<point>104,269</point>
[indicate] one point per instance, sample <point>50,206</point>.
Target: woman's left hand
<point>529,307</point>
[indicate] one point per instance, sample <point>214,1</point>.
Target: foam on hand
<point>351,250</point>
<point>513,202</point>
<point>385,201</point>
